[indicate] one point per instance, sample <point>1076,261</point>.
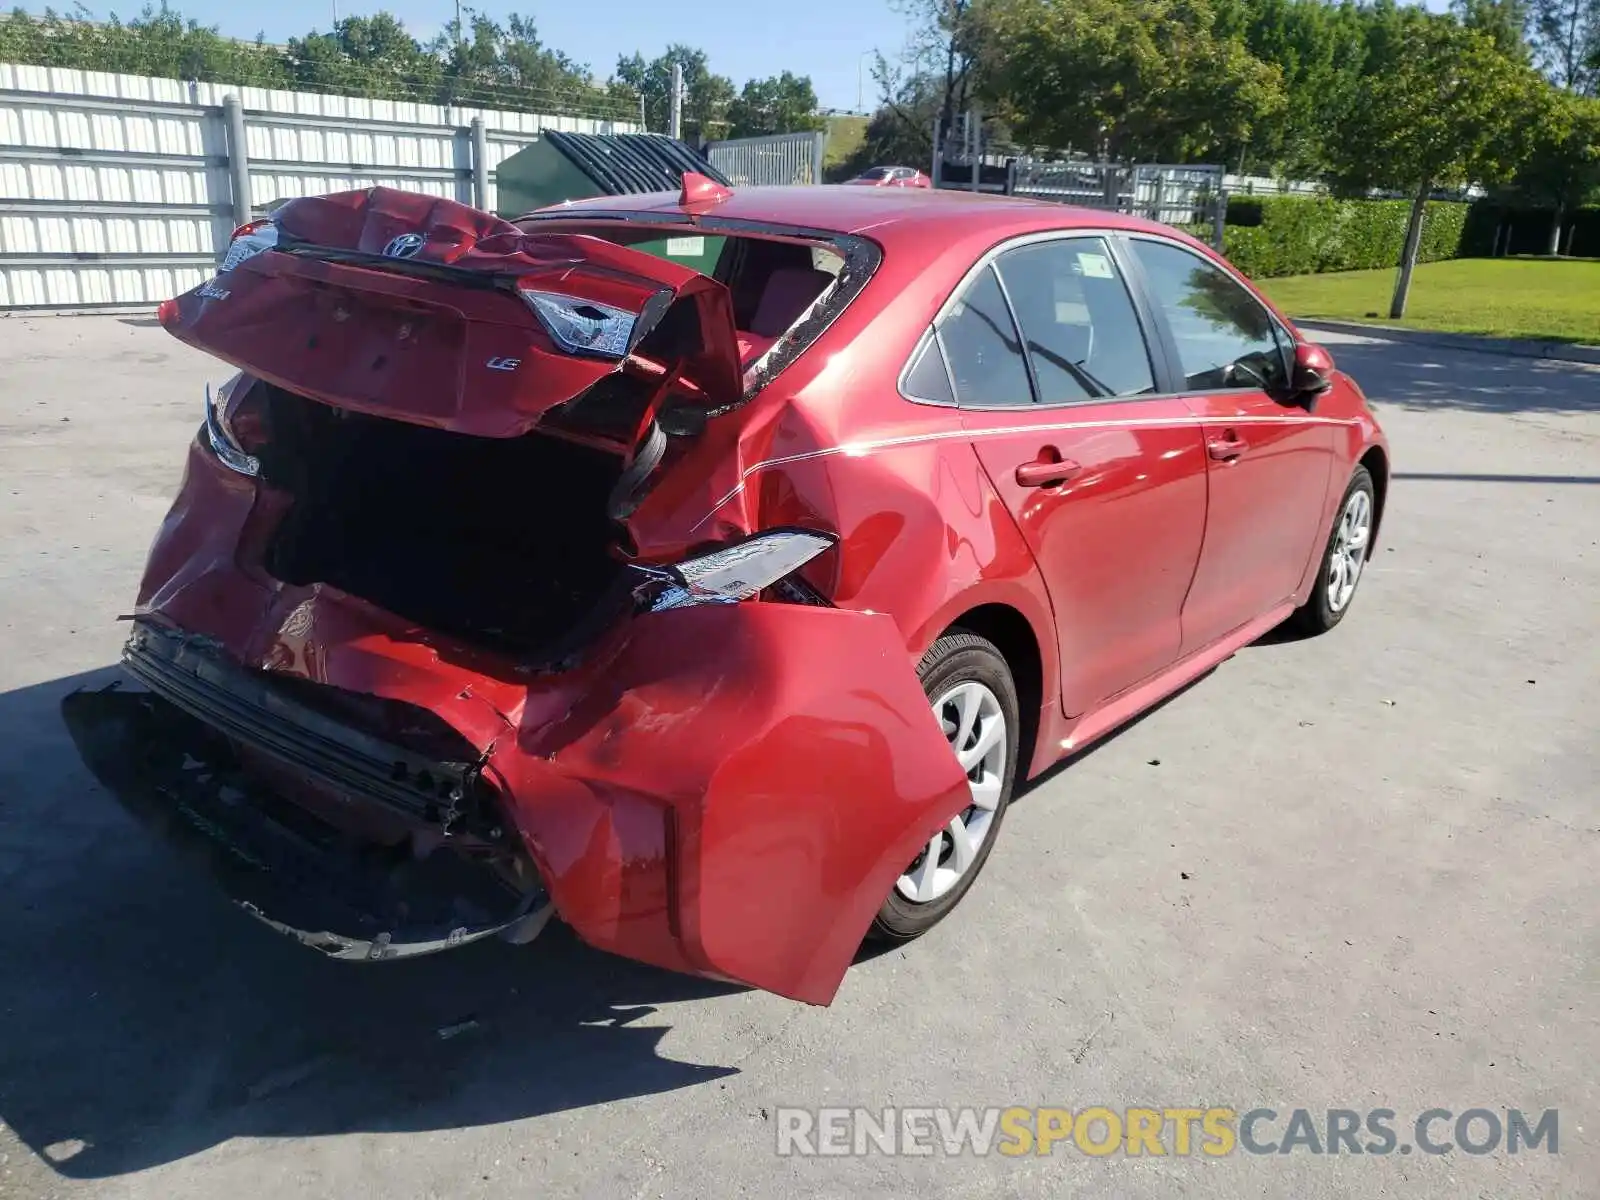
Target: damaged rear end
<point>186,758</point>
<point>406,678</point>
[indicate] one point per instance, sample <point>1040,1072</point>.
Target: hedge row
<point>1507,229</point>
<point>1305,235</point>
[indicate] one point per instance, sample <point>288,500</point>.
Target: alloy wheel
<point>1349,553</point>
<point>975,726</point>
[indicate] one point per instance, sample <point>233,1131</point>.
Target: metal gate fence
<point>784,158</point>
<point>118,191</point>
<point>1191,197</point>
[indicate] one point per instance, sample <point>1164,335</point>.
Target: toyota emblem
<point>404,246</point>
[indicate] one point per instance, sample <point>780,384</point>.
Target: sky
<point>832,43</point>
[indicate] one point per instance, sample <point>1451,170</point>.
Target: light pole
<point>861,80</point>
<point>675,104</point>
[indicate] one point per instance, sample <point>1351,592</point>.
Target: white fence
<point>781,159</point>
<point>1179,195</point>
<point>118,191</point>
<point>1262,185</point>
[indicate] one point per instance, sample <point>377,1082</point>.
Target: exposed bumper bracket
<point>247,706</point>
<point>346,899</point>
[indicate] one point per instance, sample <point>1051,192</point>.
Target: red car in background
<point>899,177</point>
<point>522,571</point>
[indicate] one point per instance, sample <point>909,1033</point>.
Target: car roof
<point>885,214</point>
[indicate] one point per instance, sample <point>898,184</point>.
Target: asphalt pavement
<point>1359,872</point>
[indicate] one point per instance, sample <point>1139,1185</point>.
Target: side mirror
<point>1312,373</point>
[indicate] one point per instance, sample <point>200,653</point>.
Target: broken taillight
<point>735,572</point>
<point>236,424</point>
<point>247,242</point>
<point>582,326</point>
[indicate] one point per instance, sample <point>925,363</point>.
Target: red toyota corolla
<point>523,570</point>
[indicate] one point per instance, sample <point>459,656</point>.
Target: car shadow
<point>1066,764</point>
<point>1425,378</point>
<point>1481,477</point>
<point>1278,635</point>
<point>146,1019</point>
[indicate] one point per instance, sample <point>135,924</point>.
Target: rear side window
<point>983,349</point>
<point>928,379</point>
<point>1225,338</point>
<point>1082,335</point>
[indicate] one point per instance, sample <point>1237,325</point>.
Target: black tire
<point>955,658</point>
<point>1317,615</point>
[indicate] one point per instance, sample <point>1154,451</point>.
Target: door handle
<point>1225,449</point>
<point>1049,468</point>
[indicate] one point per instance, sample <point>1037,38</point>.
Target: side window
<point>927,379</point>
<point>1077,319</point>
<point>982,348</point>
<point>1225,338</point>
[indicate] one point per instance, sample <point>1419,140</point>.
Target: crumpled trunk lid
<point>407,306</point>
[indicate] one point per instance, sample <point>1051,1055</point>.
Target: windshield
<point>877,173</point>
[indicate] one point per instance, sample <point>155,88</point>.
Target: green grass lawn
<point>845,135</point>
<point>1499,297</point>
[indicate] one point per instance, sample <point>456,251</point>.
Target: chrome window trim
<point>986,260</point>
<point>930,337</point>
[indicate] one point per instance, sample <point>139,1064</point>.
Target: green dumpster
<point>561,166</point>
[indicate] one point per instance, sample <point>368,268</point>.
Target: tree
<point>785,103</point>
<point>487,59</point>
<point>1448,109</point>
<point>526,62</point>
<point>707,99</point>
<point>1562,170</point>
<point>372,56</point>
<point>1320,49</point>
<point>1145,79</point>
<point>889,139</point>
<point>1505,21</point>
<point>1567,36</point>
<point>933,77</point>
<point>159,41</point>
<point>486,63</point>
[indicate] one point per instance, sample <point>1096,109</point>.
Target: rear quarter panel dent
<point>790,752</point>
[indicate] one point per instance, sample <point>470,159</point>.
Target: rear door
<point>1048,359</point>
<point>1268,462</point>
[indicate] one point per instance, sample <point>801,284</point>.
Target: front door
<point>1050,365</point>
<point>1268,462</point>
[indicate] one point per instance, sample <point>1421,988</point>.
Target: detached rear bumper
<point>728,790</point>
<point>347,898</point>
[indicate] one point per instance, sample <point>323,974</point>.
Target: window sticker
<point>1094,266</point>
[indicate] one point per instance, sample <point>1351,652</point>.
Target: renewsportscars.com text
<point>1180,1131</point>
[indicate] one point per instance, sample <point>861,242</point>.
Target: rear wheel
<point>1343,561</point>
<point>974,699</point>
